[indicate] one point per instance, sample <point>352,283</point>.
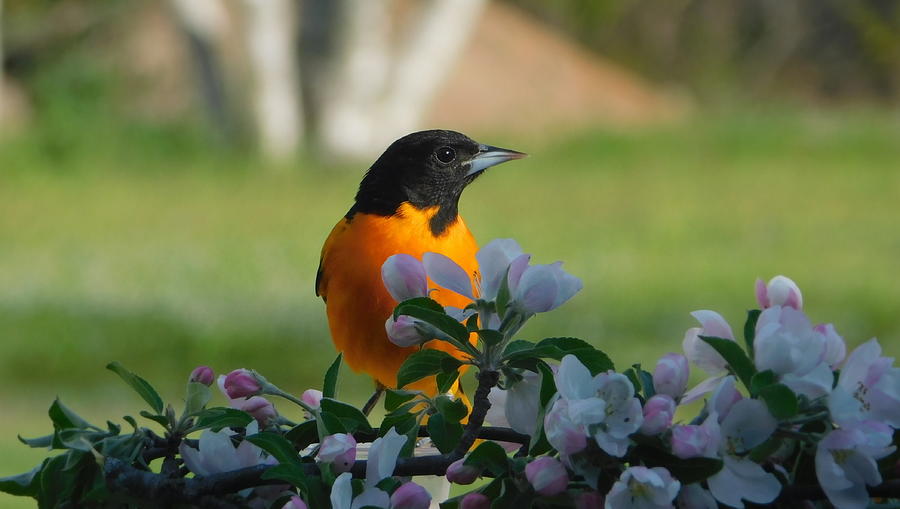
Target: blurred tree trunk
<point>375,91</point>
<point>271,41</point>
<point>205,24</point>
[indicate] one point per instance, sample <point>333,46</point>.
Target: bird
<point>407,202</point>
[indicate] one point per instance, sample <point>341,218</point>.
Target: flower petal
<point>447,273</point>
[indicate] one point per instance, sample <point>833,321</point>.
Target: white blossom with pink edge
<point>868,388</point>
<point>670,376</point>
<point>643,488</point>
<point>339,450</point>
<point>845,462</point>
<point>780,291</point>
<point>404,277</point>
<point>379,466</point>
<point>786,343</point>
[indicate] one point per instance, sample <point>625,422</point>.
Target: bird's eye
<point>445,154</point>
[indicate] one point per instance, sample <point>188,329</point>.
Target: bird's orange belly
<point>357,302</point>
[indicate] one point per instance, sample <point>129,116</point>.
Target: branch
<point>487,379</point>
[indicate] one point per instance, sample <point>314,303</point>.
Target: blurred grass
<point>165,256</point>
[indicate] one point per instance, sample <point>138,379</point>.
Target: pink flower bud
<point>202,375</point>
<point>339,450</point>
<point>692,441</point>
<point>589,500</point>
<point>404,331</point>
<point>259,407</point>
<point>410,496</point>
<point>780,291</point>
<point>671,375</point>
<point>547,475</point>
<point>312,397</point>
<point>658,413</point>
<point>295,503</point>
<point>404,277</point>
<point>241,383</point>
<point>475,501</point>
<point>460,473</point>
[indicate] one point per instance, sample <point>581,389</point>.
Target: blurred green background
<point>164,241</point>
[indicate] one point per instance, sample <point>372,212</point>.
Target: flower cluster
<point>786,415</point>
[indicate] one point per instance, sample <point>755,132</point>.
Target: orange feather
<point>358,303</point>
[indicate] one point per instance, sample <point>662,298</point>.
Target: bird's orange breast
<point>356,300</point>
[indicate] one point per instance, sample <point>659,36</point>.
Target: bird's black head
<point>426,169</point>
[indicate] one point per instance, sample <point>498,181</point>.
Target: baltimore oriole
<point>407,203</point>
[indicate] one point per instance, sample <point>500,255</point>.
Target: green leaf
<point>276,445</point>
<point>198,395</point>
<point>329,386</point>
<point>646,382</point>
<point>45,441</point>
<point>780,399</point>
<point>63,417</point>
<point>141,386</point>
<point>23,485</point>
<point>441,320</point>
<point>444,433</point>
<point>445,380</point>
<point>734,356</point>
<point>287,472</point>
<point>332,423</point>
<point>489,456</point>
<point>490,337</point>
<point>389,484</point>
<point>750,329</point>
<point>422,302</point>
<point>632,376</point>
<point>762,380</point>
<point>518,345</point>
<point>393,398</point>
<point>160,419</point>
<point>425,362</point>
<point>452,409</point>
<point>351,417</point>
<point>220,417</point>
<point>303,434</point>
<point>557,348</point>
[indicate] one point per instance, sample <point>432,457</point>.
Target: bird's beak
<point>488,156</point>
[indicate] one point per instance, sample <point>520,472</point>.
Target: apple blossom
<point>339,450</point>
<point>405,331</point>
<point>259,407</point>
<point>460,473</point>
<point>787,344</point>
<point>691,441</point>
<point>241,383</point>
<point>658,413</point>
<point>216,453</point>
<point>670,376</point>
<point>643,488</point>
<point>704,356</point>
<point>747,425</point>
<point>410,496</point>
<point>294,503</point>
<point>342,491</point>
<point>868,388</point>
<point>845,462</point>
<point>543,288</point>
<point>475,500</point>
<point>694,496</point>
<point>623,413</point>
<point>448,274</point>
<point>724,397</point>
<point>380,465</point>
<point>312,397</point>
<point>547,476</point>
<point>780,291</point>
<point>835,347</point>
<point>202,375</point>
<point>517,406</point>
<point>404,277</point>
